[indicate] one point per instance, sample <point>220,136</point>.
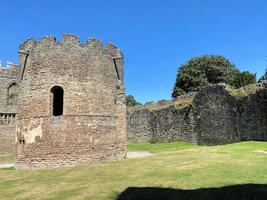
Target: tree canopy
<point>244,78</point>
<point>264,77</point>
<point>209,69</point>
<point>130,101</point>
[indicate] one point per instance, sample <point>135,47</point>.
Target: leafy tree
<point>264,77</point>
<point>208,69</point>
<point>130,101</point>
<point>244,78</point>
<point>200,71</point>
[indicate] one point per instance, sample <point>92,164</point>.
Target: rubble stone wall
<point>213,117</point>
<point>7,140</point>
<point>9,80</point>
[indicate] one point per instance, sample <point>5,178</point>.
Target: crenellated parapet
<point>109,56</point>
<point>70,40</point>
<point>10,70</point>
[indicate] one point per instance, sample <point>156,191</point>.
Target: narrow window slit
<point>58,97</point>
<point>22,141</point>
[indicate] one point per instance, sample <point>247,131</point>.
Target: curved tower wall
<point>92,126</point>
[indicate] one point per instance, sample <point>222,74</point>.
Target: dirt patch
<point>261,151</point>
<point>138,154</point>
<point>6,165</point>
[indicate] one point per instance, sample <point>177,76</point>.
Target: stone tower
<point>71,105</point>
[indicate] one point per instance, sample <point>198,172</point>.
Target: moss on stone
<point>243,91</point>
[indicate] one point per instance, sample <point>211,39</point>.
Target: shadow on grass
<point>235,192</point>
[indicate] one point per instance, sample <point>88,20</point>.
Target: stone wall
<point>252,123</point>
<point>92,126</point>
<point>7,140</point>
<point>139,127</point>
<point>213,117</point>
<point>9,80</point>
<point>167,124</point>
<point>216,116</point>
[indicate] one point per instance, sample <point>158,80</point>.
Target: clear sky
<point>156,36</point>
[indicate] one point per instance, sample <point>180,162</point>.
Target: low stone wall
<point>7,140</point>
<point>213,117</point>
<point>162,125</point>
<point>252,119</point>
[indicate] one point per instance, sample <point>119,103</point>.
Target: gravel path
<point>6,165</point>
<point>261,151</point>
<point>138,154</point>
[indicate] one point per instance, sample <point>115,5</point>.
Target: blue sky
<point>156,37</point>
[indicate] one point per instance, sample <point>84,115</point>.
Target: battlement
<point>72,100</point>
<point>9,70</point>
<point>71,40</point>
<point>109,55</point>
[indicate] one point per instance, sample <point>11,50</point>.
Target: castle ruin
<point>9,80</point>
<point>71,106</point>
<point>212,116</point>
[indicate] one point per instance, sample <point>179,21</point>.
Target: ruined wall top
<point>70,40</point>
<point>70,48</point>
<point>10,70</point>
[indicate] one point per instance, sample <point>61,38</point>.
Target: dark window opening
<point>12,94</point>
<point>22,141</point>
<point>58,96</point>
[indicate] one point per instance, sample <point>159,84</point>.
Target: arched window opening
<point>58,97</point>
<point>12,94</point>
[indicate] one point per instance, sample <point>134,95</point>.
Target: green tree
<point>264,77</point>
<point>244,78</point>
<point>204,70</point>
<point>130,101</point>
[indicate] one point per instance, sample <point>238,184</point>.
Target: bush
<point>130,101</point>
<point>264,77</point>
<point>244,78</point>
<point>209,69</point>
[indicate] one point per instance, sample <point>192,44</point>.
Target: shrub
<point>209,69</point>
<point>130,101</point>
<point>244,78</point>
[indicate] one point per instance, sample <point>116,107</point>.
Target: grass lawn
<point>174,165</point>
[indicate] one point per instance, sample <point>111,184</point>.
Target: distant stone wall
<point>252,123</point>
<point>139,128</point>
<point>7,134</point>
<point>213,117</point>
<point>9,80</point>
<point>162,125</point>
<point>216,116</point>
<point>7,140</point>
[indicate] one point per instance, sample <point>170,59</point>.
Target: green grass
<point>243,91</point>
<point>175,165</point>
<point>160,147</point>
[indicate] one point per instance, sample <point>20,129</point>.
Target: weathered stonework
<point>89,123</point>
<point>9,80</point>
<point>213,117</point>
<point>92,125</point>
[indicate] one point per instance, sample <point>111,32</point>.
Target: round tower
<point>71,105</point>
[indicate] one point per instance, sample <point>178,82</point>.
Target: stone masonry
<point>9,80</point>
<point>213,117</point>
<point>71,106</point>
